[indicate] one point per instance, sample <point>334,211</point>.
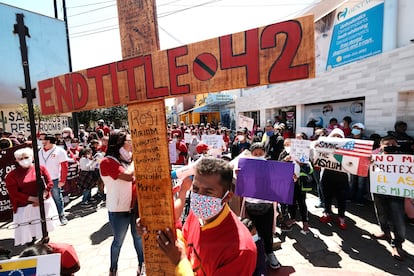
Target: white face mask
<point>25,163</point>
<point>287,149</point>
<point>125,154</point>
<point>255,237</point>
<point>240,137</point>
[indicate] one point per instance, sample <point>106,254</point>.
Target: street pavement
<point>327,250</point>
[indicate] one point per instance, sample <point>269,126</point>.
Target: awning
<point>202,109</point>
<point>324,7</point>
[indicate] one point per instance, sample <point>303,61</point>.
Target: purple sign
<point>270,180</point>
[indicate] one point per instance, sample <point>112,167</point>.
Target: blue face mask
<point>270,133</point>
<point>355,131</point>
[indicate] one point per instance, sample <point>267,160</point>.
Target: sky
<point>94,33</point>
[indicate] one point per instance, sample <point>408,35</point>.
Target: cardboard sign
<point>300,150</point>
<point>345,155</point>
<point>275,53</point>
<point>153,180</point>
<point>246,122</point>
<point>392,174</point>
<point>36,266</point>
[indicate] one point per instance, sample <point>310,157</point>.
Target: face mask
<point>240,137</point>
<point>287,149</point>
<point>270,133</point>
<point>61,146</point>
<point>255,237</point>
<point>259,157</point>
<point>206,207</point>
<point>356,131</point>
<point>25,163</point>
<point>125,154</point>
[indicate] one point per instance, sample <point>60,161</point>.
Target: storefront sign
<point>392,174</point>
<point>357,33</point>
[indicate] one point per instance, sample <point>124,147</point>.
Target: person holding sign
<point>334,183</point>
<point>117,174</point>
<point>213,240</point>
<point>261,212</point>
<point>390,210</point>
<point>23,191</point>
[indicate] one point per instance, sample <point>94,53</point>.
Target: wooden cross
<point>146,76</point>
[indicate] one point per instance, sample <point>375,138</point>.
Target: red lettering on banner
<point>79,82</point>
<point>63,93</point>
<point>129,66</point>
<point>282,69</point>
<point>175,70</point>
<point>46,96</point>
<point>379,158</point>
<point>98,73</point>
<point>249,59</point>
<point>114,81</point>
<point>152,91</point>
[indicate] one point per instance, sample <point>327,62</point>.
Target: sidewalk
<point>326,251</point>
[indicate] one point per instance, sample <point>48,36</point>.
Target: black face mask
<point>392,149</point>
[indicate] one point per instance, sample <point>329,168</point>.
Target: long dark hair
<point>116,141</point>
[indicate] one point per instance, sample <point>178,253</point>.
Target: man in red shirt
<point>213,240</point>
<point>181,148</point>
<point>105,128</point>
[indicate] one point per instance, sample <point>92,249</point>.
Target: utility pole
<point>65,18</point>
<point>29,94</point>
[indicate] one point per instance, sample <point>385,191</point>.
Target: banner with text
<point>300,150</point>
<point>392,174</point>
<point>347,155</point>
<point>275,53</point>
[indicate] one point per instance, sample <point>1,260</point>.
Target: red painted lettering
<point>63,93</point>
<point>379,158</point>
<point>282,69</point>
<point>175,71</point>
<point>79,90</point>
<point>46,96</point>
<point>249,59</point>
<point>152,91</point>
<point>98,73</point>
<point>129,66</point>
<point>408,158</point>
<point>114,81</point>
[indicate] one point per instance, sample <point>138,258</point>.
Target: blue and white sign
<point>47,52</point>
<point>357,32</point>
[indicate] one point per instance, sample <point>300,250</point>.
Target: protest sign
<point>300,150</point>
<point>346,155</point>
<point>172,152</point>
<point>392,174</point>
<point>256,179</point>
<point>215,144</point>
<point>36,266</point>
<point>307,130</point>
<point>245,122</point>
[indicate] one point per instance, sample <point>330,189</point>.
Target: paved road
<point>326,251</point>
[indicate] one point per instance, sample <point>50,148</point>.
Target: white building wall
<point>380,79</point>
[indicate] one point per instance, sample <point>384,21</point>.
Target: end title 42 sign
<point>275,53</point>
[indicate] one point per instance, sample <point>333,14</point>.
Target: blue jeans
<point>58,197</point>
<point>86,195</point>
<point>119,223</point>
<point>390,214</point>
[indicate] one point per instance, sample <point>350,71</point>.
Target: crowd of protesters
<point>78,171</point>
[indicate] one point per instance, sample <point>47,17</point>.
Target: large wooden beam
<point>275,53</point>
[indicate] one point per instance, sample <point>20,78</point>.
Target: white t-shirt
<point>51,159</point>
